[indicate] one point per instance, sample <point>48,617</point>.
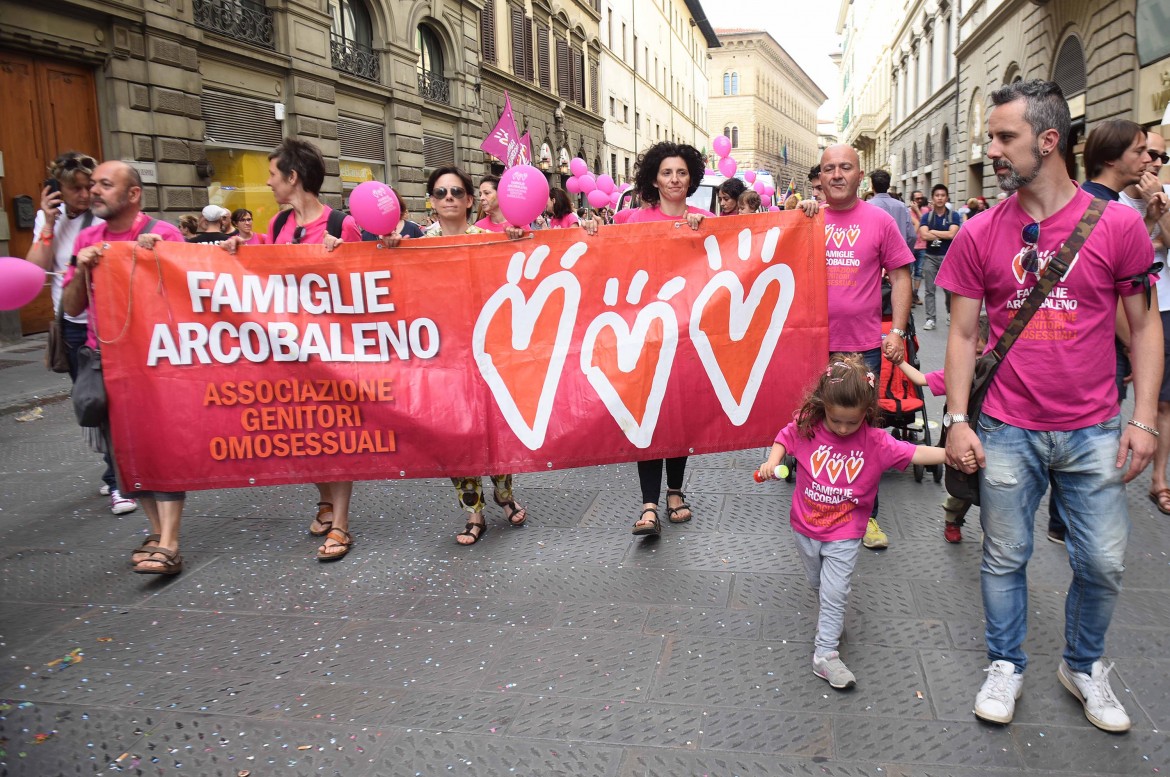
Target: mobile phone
<point>52,185</point>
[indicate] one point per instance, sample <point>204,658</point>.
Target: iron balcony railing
<point>353,58</point>
<point>243,20</point>
<point>434,88</point>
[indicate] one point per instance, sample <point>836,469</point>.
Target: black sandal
<point>475,536</point>
<point>514,510</point>
<point>672,511</point>
<point>651,529</point>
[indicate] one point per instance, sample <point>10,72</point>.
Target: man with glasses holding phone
<point>1052,409</point>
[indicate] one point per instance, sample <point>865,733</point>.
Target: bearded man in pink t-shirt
<point>861,242</point>
<point>1052,410</point>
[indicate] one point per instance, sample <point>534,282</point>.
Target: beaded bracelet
<point>1144,428</point>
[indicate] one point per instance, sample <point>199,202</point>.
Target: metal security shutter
<point>230,120</point>
<point>438,151</point>
<point>487,31</point>
<point>361,139</point>
<point>542,57</point>
<point>563,83</point>
<point>1069,71</point>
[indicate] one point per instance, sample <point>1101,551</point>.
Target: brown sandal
<point>344,542</point>
<point>476,536</point>
<point>651,529</point>
<point>145,549</point>
<point>672,512</point>
<point>512,511</point>
<point>171,562</point>
<point>323,508</point>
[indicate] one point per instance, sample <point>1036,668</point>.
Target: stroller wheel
<point>919,472</point>
<point>937,469</point>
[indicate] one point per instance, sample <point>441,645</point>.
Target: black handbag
<point>56,349</point>
<point>89,390</point>
<point>963,485</point>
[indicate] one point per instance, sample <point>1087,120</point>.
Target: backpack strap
<point>336,223</point>
<point>279,222</point>
<point>149,225</point>
<point>87,220</point>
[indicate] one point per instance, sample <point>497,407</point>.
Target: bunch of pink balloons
<point>601,191</point>
<point>722,145</point>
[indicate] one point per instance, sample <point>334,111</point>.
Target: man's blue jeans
<point>1091,495</point>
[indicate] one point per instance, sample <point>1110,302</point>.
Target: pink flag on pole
<point>524,151</point>
<point>503,141</point>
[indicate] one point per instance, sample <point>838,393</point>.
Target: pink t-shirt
<point>1060,373</point>
<point>639,215</point>
<point>936,382</point>
<point>487,225</point>
<point>314,231</point>
<point>569,219</point>
<point>860,242</point>
<point>99,234</point>
<point>837,478</point>
<point>258,239</point>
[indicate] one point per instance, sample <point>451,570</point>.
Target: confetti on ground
<point>40,739</point>
<point>30,415</point>
<point>918,694</point>
<point>74,656</point>
<point>105,639</point>
<point>304,747</point>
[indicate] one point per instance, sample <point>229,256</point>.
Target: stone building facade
<point>766,104</point>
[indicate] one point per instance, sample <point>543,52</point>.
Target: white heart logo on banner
<point>525,313</point>
<point>631,343</point>
<point>740,322</point>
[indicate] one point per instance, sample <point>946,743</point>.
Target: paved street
<point>565,647</point>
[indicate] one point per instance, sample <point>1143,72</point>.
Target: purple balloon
<point>573,186</point>
<point>722,145</point>
<point>578,166</point>
<point>522,194</point>
<point>20,282</point>
<point>587,182</point>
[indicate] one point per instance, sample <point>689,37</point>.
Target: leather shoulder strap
<point>278,224</point>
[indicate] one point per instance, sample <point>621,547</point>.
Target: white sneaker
<point>996,700</point>
<point>830,667</point>
<point>929,324</point>
<point>104,490</point>
<point>1093,690</point>
<point>120,505</point>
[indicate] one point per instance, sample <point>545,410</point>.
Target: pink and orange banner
<point>458,356</point>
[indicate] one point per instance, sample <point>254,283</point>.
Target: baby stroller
<point>901,403</point>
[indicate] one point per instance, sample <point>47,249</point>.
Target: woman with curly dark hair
<point>729,192</point>
<point>665,175</point>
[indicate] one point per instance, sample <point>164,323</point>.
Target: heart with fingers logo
<point>521,344</point>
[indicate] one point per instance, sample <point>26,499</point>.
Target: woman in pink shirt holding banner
<point>666,174</point>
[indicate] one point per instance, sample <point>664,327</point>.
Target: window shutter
<point>438,151</point>
<point>542,40</point>
<point>361,139</point>
<point>517,42</point>
<point>240,121</point>
<point>577,77</point>
<point>487,32</point>
<point>529,74</point>
<point>593,91</point>
<point>563,80</point>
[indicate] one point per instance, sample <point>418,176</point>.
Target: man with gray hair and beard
<point>1052,410</point>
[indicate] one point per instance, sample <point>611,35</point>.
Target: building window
<point>626,114</point>
<point>946,143</point>
<point>735,137</point>
<point>929,147</point>
<point>521,44</point>
<point>735,83</point>
<point>487,32</point>
<point>351,40</point>
<point>612,107</point>
<point>432,84</point>
<point>727,83</point>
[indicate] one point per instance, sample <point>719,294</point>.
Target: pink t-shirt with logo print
<point>1060,374</point>
<point>860,242</point>
<point>837,477</point>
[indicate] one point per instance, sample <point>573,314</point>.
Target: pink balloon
<point>20,282</point>
<point>774,208</point>
<point>769,191</point>
<point>722,145</point>
<point>598,199</point>
<point>727,166</point>
<point>750,176</point>
<point>760,188</point>
<point>709,171</point>
<point>614,199</point>
<point>588,183</point>
<point>523,194</point>
<point>605,183</point>
<point>578,166</point>
<point>375,207</point>
<point>573,186</point>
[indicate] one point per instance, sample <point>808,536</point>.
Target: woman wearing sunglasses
<point>296,171</point>
<point>452,201</point>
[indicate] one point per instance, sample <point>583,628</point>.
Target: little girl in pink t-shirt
<point>840,459</point>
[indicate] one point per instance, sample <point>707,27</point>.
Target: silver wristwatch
<point>950,419</point>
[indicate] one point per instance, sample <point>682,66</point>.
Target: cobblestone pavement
<point>564,647</point>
